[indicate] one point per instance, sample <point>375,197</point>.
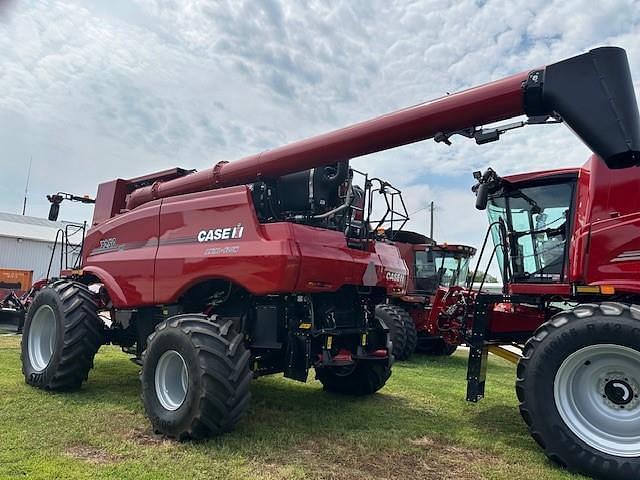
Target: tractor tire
<point>579,389</point>
<point>411,341</point>
<point>62,334</point>
<point>363,378</point>
<point>439,348</point>
<point>402,330</point>
<point>195,377</point>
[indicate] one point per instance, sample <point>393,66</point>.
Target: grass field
<point>417,427</point>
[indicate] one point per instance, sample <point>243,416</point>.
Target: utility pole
<point>431,229</point>
<point>26,187</point>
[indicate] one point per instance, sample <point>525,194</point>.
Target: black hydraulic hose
<point>506,275</point>
<point>484,245</point>
<point>484,277</point>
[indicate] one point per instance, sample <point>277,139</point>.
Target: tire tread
<point>225,375</point>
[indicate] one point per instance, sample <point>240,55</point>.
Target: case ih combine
<point>436,273</point>
<point>249,268</point>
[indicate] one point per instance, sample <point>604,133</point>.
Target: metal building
<point>26,243</point>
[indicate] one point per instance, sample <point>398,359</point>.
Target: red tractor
<point>249,268</point>
<point>435,273</point>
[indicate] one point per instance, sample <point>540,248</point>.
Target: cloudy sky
<point>96,90</point>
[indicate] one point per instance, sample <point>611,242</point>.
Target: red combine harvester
<point>216,276</point>
<point>436,273</point>
<point>210,287</point>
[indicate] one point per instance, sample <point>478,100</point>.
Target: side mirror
<point>482,196</point>
<point>54,210</point>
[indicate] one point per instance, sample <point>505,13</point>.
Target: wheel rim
<point>171,380</point>
<point>344,371</point>
<point>42,337</point>
<point>597,393</point>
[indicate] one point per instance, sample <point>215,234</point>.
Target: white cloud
<point>96,90</point>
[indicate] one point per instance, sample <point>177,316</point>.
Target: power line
<point>431,206</point>
<point>417,211</point>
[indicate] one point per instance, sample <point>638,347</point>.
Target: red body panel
<point>110,200</point>
<point>613,221</point>
<point>167,253</point>
<point>257,264</point>
<point>407,252</point>
<point>510,318</point>
<point>121,252</point>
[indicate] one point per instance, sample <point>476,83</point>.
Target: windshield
<point>536,219</point>
<point>440,269</point>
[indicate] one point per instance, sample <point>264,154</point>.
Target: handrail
<point>66,247</point>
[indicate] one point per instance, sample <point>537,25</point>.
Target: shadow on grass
<point>283,409</point>
<point>504,422</point>
<point>433,362</point>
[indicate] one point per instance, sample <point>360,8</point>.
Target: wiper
<point>535,208</point>
<point>551,232</point>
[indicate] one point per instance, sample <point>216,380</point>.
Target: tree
<point>480,275</point>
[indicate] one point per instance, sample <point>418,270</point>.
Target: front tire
<point>62,333</point>
<point>195,377</point>
<point>579,389</point>
<point>363,378</point>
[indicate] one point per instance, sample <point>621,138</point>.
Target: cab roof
<point>531,176</point>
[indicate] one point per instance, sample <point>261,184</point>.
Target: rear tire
<point>402,330</point>
<point>195,377</point>
<point>363,378</point>
<point>579,389</point>
<point>62,333</point>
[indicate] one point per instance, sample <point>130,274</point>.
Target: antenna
<point>26,187</point>
<point>431,207</point>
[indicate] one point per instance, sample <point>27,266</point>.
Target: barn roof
<point>32,228</point>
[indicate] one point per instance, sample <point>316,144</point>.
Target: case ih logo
<point>227,233</point>
<point>395,277</point>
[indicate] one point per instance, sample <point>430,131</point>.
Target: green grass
<point>418,426</point>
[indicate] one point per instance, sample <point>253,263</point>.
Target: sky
<point>95,90</point>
